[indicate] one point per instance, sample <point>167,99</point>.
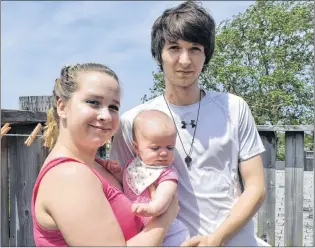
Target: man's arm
<point>243,210</point>
<point>249,202</point>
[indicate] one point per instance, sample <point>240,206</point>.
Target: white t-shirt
<point>225,135</point>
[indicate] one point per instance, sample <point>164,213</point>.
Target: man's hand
<point>210,240</point>
<point>111,165</point>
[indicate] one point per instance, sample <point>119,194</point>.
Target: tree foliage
<point>264,55</point>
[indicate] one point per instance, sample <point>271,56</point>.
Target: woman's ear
<point>61,109</point>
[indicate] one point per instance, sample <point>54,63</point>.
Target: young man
<point>216,134</point>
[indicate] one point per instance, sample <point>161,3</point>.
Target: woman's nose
<point>104,115</point>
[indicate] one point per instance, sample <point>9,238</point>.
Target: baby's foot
<point>143,209</point>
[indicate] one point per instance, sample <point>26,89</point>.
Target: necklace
<point>188,158</point>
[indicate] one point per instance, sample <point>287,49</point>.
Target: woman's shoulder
<point>68,171</point>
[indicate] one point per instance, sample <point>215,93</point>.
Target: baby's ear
<point>135,147</point>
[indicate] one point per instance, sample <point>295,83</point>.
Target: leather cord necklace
<point>188,158</point>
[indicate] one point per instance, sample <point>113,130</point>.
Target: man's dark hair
<point>189,22</point>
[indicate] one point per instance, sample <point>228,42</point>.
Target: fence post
<point>4,228</point>
<point>24,165</point>
<point>266,215</point>
<point>294,173</point>
<point>35,103</point>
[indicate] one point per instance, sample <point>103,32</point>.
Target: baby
<point>154,139</point>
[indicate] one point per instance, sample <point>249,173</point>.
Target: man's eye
<point>93,102</point>
<point>196,49</point>
<point>174,48</point>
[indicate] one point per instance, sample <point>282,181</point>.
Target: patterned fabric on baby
<point>140,176</point>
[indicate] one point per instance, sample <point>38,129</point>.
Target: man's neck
<point>183,96</point>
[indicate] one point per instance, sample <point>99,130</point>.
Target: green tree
<point>264,55</point>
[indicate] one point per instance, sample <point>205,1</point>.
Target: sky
<point>39,37</point>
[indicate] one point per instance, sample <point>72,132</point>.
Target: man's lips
<point>185,72</point>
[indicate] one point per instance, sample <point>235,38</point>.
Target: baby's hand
<point>143,209</point>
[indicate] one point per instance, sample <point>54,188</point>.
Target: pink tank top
<point>121,205</point>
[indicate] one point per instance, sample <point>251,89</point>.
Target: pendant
<point>188,161</point>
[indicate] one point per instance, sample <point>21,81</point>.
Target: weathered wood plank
<point>286,128</point>
<point>4,228</point>
<point>21,117</point>
<point>267,215</point>
<point>35,103</point>
<point>294,172</point>
<point>24,165</point>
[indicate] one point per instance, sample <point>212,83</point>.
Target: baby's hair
<point>64,87</point>
<point>138,116</point>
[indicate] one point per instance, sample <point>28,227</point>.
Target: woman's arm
<point>74,198</point>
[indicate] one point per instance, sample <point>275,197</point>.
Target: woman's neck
<point>69,149</point>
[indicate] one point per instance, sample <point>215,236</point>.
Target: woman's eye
<point>114,107</point>
<point>196,49</point>
<point>93,102</point>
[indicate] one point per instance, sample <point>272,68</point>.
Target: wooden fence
<point>20,165</point>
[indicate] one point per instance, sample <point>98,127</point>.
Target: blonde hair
<point>64,87</point>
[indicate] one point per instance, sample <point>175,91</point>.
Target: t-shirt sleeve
<point>169,174</point>
<point>249,139</point>
<point>121,148</point>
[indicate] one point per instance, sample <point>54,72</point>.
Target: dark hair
<point>189,22</point>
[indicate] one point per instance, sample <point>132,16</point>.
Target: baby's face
<point>156,149</point>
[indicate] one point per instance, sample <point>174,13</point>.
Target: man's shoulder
<point>151,104</point>
<point>225,99</point>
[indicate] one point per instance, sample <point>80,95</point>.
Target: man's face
<point>182,63</point>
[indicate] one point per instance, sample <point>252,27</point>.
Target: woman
<point>76,202</point>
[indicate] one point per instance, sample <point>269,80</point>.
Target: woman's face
<point>92,113</point>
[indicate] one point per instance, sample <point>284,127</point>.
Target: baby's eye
<point>171,148</point>
<point>155,148</point>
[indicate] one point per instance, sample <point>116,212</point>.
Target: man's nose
<point>184,58</point>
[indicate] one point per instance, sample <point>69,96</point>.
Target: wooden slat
<point>22,117</point>
<point>24,164</point>
<point>4,229</point>
<point>267,215</point>
<point>294,172</point>
<point>286,128</point>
